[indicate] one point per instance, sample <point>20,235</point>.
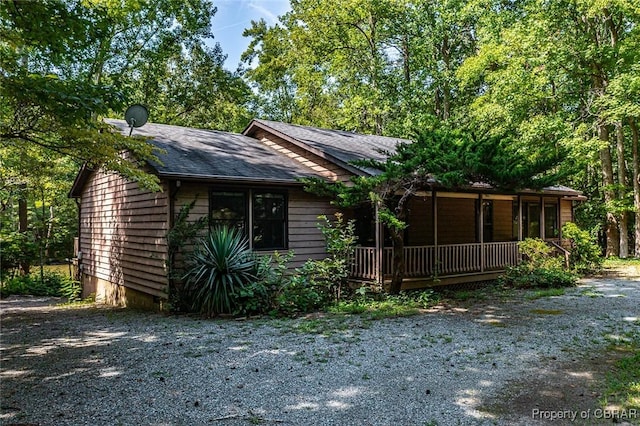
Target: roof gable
<point>340,146</point>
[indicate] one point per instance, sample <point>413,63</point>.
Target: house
<point>250,181</point>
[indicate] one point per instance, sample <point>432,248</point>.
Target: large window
<point>531,220</point>
<point>551,221</point>
<point>269,213</point>
<point>260,215</point>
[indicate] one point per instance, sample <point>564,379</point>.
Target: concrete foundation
<point>116,295</point>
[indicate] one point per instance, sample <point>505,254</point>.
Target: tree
<point>544,77</point>
<point>375,67</point>
<point>191,88</point>
<point>57,86</point>
<point>439,158</point>
<point>34,189</point>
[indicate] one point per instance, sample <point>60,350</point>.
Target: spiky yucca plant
<point>221,265</point>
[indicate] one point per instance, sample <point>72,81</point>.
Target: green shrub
<point>332,272</point>
<point>72,290</point>
<point>50,284</point>
<point>585,254</point>
<point>538,269</point>
<point>261,295</point>
<point>300,295</point>
<point>279,291</point>
<point>180,237</point>
<point>522,276</point>
<point>17,248</point>
<point>537,254</point>
<point>221,266</point>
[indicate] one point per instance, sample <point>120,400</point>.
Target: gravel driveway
<point>495,361</point>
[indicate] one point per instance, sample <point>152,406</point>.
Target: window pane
<point>268,206</point>
<point>229,209</point>
<point>269,220</point>
<point>531,220</point>
<point>487,216</point>
<point>551,221</point>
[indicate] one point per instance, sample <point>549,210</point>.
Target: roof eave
<point>79,181</point>
<point>228,179</point>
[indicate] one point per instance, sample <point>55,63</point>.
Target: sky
<point>234,16</point>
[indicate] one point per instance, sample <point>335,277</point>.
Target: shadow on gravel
<point>488,362</point>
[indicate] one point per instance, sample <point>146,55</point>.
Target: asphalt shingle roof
<point>213,154</point>
<point>339,144</point>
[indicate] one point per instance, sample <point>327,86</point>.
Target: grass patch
<point>375,309</point>
<point>591,292</point>
<point>463,295</point>
<point>546,311</point>
<point>365,307</point>
<point>380,306</point>
<point>623,382</point>
<point>546,292</point>
<point>326,326</point>
<point>614,262</point>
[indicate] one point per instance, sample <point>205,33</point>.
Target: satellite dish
<point>136,116</point>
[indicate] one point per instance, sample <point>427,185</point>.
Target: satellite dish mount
<point>136,116</point>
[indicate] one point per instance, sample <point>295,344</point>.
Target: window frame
<point>245,222</point>
<point>248,203</point>
<point>555,227</point>
<point>284,220</point>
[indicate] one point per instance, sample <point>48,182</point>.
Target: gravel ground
<point>463,363</point>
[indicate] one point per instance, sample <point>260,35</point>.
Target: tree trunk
<point>636,185</point>
<point>405,60</point>
<point>397,235</point>
<point>49,234</point>
<point>611,224</point>
<point>397,275</point>
<point>446,105</point>
<point>23,223</point>
<point>622,182</point>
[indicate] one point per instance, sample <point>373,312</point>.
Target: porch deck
<point>442,261</point>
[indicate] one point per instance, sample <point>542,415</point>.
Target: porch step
<point>415,283</point>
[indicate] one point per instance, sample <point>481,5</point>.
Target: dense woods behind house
<point>554,82</point>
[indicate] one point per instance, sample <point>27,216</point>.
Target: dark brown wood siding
<point>566,212</point>
<point>503,221</point>
<point>122,234</point>
<point>305,239</point>
<point>420,229</point>
<point>456,220</point>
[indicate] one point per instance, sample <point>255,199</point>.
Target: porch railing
<point>364,263</point>
<point>442,260</point>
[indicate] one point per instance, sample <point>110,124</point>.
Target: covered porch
<point>455,237</point>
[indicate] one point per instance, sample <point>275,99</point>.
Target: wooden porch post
<point>481,233</point>
<point>379,272</point>
<point>434,214</point>
<point>542,227</point>
<point>520,233</point>
<point>559,219</point>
